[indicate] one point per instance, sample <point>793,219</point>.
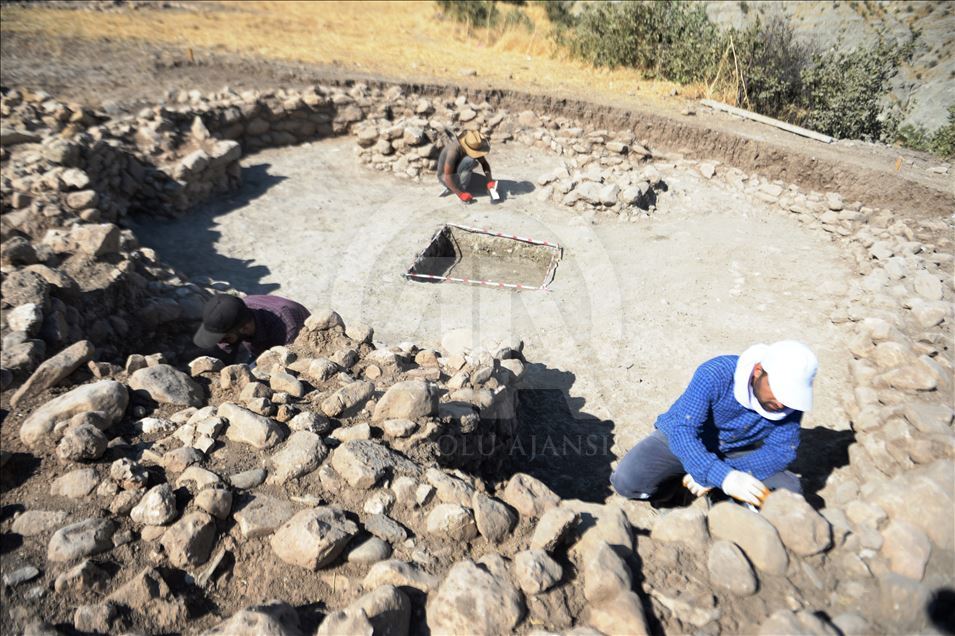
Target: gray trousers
<point>462,174</point>
<point>651,462</point>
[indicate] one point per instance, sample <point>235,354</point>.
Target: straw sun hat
<point>474,143</point>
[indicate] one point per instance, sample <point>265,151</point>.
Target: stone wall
<point>70,273</point>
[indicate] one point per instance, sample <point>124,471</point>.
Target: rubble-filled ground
<point>635,306</point>
<point>389,472</point>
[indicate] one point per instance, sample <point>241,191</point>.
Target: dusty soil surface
<point>500,260</point>
<point>124,75</point>
<point>634,307</point>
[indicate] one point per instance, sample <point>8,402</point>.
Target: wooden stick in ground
<point>719,69</point>
<point>812,134</point>
<point>739,75</point>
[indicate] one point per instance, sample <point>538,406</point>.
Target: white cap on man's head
<point>791,368</point>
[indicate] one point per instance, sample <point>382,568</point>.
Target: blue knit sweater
<point>706,423</point>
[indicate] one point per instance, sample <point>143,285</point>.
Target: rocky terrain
<point>343,485</point>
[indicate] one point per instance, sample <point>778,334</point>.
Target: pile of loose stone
<point>375,471</point>
<point>604,172</point>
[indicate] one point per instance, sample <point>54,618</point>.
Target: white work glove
<point>745,487</point>
<point>690,484</point>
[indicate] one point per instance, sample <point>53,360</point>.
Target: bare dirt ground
<point>634,307</point>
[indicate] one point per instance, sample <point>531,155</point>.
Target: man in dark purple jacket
<point>254,323</point>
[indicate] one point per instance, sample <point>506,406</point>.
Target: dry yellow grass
<point>407,40</point>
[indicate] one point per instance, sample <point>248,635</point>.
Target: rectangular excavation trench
<point>461,254</point>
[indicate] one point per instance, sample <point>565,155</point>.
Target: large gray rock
<point>54,370</point>
<point>371,550</point>
<point>286,383</point>
<point>399,574</point>
<point>96,239</point>
<point>605,573</point>
<point>529,496</point>
<point>34,522</point>
<point>348,398</point>
<point>197,478</point>
<point>167,385</point>
<point>274,618</point>
<point>453,522</point>
<point>494,519</point>
<point>471,600</point>
<point>250,428</point>
<point>929,314</point>
<point>263,515</point>
<point>81,539</point>
<point>929,417</point>
<point>730,570</point>
<point>906,548</point>
<point>323,319</point>
<point>80,443</point>
<point>86,576</point>
<point>386,528</point>
<point>589,191</point>
<point>751,532</point>
<point>235,376</point>
<point>407,400</point>
<point>927,285</point>
<point>97,619</point>
<point>75,484</point>
<point>216,500</point>
<point>683,525</point>
<point>107,397</point>
<point>156,508</point>
<point>449,489</point>
<point>313,538</point>
<point>248,479</point>
<point>189,541</point>
<point>20,357</point>
<point>309,421</point>
<point>353,623</point>
<point>300,455</point>
<point>622,614</point>
<point>205,364</point>
<point>600,524</point>
<point>553,527</point>
<point>535,571</point>
<point>148,595</point>
<point>387,608</point>
<point>27,318</point>
<point>362,463</point>
<point>802,529</point>
<point>23,286</point>
<point>924,498</point>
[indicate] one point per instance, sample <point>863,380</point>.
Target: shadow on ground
<point>190,246</point>
<point>505,188</point>
<point>558,443</point>
<point>821,451</point>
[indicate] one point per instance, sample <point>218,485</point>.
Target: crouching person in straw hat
<point>736,428</point>
<point>456,164</point>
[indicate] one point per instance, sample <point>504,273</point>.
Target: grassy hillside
<point>400,39</point>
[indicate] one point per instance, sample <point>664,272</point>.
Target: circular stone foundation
<point>633,309</point>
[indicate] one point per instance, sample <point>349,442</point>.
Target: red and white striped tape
<point>469,281</point>
<point>490,283</point>
<point>503,235</point>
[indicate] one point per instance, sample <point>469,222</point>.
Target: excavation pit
<point>474,256</point>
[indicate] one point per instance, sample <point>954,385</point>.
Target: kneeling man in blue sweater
<point>736,427</point>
